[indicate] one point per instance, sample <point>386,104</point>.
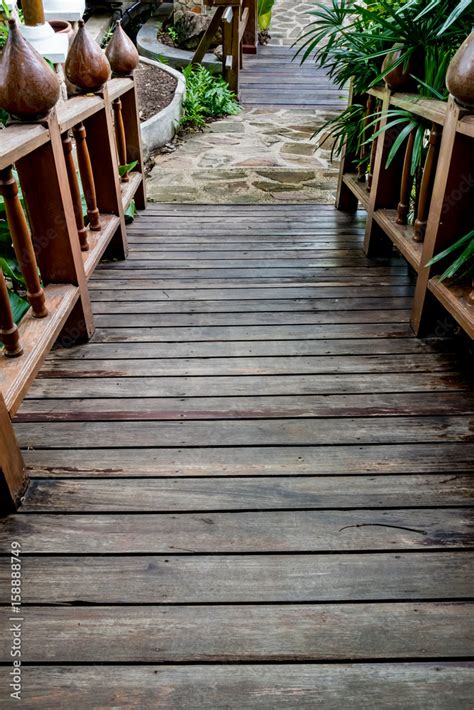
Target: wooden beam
<point>13,479</point>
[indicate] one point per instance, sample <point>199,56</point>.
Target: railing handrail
<point>51,244</point>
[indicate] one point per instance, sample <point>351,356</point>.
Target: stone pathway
<point>257,156</point>
<point>289,20</point>
<point>262,155</point>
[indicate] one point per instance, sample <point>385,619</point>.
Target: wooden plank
<point>232,532</point>
<point>234,349</point>
<point>119,334</point>
<point>296,432</point>
<point>146,258</point>
<point>178,320</point>
<point>447,458</point>
<point>223,295</point>
<point>249,306</point>
<point>20,139</point>
<point>13,480</point>
<point>396,686</point>
<point>182,408</point>
<point>251,633</point>
<point>303,275</point>
<point>247,386</point>
<point>190,579</point>
<point>262,284</point>
<point>77,109</point>
<point>216,366</point>
<point>187,494</point>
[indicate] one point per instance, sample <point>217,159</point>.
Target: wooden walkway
<point>253,488</point>
<point>274,79</point>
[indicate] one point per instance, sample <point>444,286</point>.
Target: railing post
<point>22,243</point>
<point>134,152</point>
<point>9,335</point>
<point>13,479</point>
<point>45,184</point>
<point>250,39</point>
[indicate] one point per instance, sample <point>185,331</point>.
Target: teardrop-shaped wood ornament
<point>28,87</point>
<point>122,53</point>
<point>460,74</point>
<point>86,65</point>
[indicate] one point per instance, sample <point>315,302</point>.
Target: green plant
<point>127,168</point>
<point>264,13</point>
<point>5,14</point>
<point>207,96</point>
<point>463,265</point>
<point>172,33</point>
<point>351,38</point>
<point>131,212</point>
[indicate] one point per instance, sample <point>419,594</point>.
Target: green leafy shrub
<point>207,96</point>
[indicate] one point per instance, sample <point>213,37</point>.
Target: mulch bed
<point>155,89</point>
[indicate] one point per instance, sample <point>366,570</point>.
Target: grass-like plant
<point>351,39</point>
<point>463,265</point>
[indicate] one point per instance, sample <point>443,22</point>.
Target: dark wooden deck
<point>253,488</point>
<point>275,79</point>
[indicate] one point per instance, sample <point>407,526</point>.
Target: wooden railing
<point>443,210</point>
<point>237,19</point>
<point>56,252</point>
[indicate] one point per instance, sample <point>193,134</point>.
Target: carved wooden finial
<point>86,65</point>
<point>122,53</point>
<point>460,75</point>
<point>28,87</point>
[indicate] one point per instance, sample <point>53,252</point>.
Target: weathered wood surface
<point>252,532</point>
<point>274,79</point>
<point>247,467</point>
<point>271,493</point>
<point>244,433</point>
<point>361,686</point>
<point>188,579</point>
<point>251,633</point>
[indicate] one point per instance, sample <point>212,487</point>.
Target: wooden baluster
<point>120,136</point>
<point>75,190</point>
<point>363,148</point>
<point>427,182</point>
<point>406,183</point>
<point>373,150</point>
<point>22,243</point>
<point>87,176</point>
<point>9,335</point>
